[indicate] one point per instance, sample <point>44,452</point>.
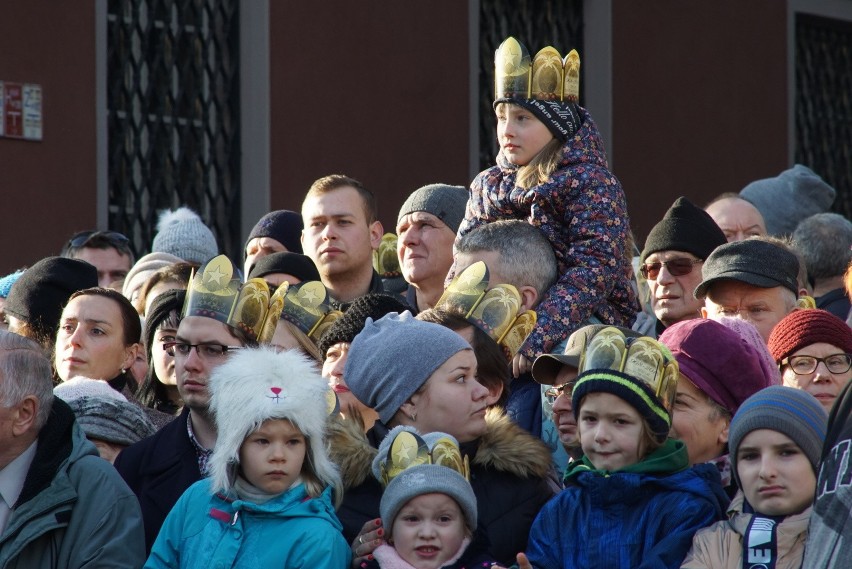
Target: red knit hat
<point>802,328</point>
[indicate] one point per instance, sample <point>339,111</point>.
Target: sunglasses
<point>677,267</point>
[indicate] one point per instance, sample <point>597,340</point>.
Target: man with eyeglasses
<point>160,468</point>
<point>671,261</point>
<point>108,251</point>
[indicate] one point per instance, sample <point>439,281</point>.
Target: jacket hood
<point>504,447</point>
<point>294,503</point>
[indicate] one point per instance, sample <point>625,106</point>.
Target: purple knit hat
<point>717,360</point>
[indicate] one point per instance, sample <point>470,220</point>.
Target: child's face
<point>776,476</point>
<point>428,531</point>
<point>271,457</point>
<point>520,134</point>
<point>611,431</point>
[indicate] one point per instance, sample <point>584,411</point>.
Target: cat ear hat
<point>257,384</point>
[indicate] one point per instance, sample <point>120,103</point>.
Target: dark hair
<point>179,273</point>
<point>492,367</point>
<point>335,181</point>
<point>97,240</point>
<point>165,309</point>
<point>130,322</point>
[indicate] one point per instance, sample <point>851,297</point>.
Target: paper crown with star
<point>547,84</point>
<point>493,310</point>
<point>215,292</point>
<point>305,305</point>
<point>642,371</point>
<point>409,464</point>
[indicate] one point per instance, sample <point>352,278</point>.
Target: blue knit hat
<point>392,357</point>
<point>7,282</point>
<point>790,411</point>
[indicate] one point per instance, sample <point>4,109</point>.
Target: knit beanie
<point>802,328</point>
<point>182,233</point>
<point>7,282</point>
<point>39,295</point>
<point>143,269</point>
<point>78,387</point>
<point>422,479</point>
<point>685,227</point>
<point>284,226</point>
<point>258,384</point>
<point>447,203</point>
<point>717,360</point>
<point>345,328</point>
<point>392,357</point>
<point>787,410</point>
<point>788,198</point>
<point>111,420</point>
<point>300,266</point>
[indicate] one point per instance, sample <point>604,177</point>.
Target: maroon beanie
<point>720,362</point>
<point>802,328</point>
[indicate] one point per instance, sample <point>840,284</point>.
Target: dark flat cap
<point>753,261</point>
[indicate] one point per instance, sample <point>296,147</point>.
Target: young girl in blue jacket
<point>631,500</point>
<point>269,500</point>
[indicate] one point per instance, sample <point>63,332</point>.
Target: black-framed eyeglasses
<point>204,351</point>
<point>677,267</point>
<point>114,238</point>
<point>805,365</point>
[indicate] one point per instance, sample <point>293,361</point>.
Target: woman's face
<point>90,341</point>
<point>520,134</point>
<point>452,400</point>
<point>821,383</point>
<point>164,364</point>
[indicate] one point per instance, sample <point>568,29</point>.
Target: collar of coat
<point>504,447</point>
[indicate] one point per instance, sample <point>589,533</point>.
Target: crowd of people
<point>506,379</point>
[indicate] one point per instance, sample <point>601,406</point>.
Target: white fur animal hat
<point>257,384</point>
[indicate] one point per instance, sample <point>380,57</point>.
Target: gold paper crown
<point>385,258</point>
<point>408,449</point>
<point>215,292</point>
<point>305,305</point>
<point>643,358</point>
<point>549,77</point>
<point>494,310</point>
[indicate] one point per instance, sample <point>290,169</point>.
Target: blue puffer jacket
<point>626,519</point>
<point>292,531</point>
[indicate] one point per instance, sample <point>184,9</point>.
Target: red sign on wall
<point>13,110</point>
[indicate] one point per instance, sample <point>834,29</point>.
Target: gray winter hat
<point>422,479</point>
<point>788,198</point>
<point>112,420</point>
<point>790,411</point>
<point>447,203</point>
<point>182,233</point>
<point>392,357</point>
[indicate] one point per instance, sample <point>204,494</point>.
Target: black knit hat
<point>352,322</point>
<point>283,225</point>
<point>41,293</point>
<point>300,266</point>
<point>685,227</point>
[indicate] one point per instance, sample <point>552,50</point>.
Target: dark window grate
<point>824,103</point>
<point>535,23</point>
<point>173,115</point>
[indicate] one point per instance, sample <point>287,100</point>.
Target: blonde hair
<point>306,345</point>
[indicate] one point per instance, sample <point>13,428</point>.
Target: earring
<point>123,371</point>
<point>414,417</point>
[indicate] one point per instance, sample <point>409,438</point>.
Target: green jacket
<point>74,510</point>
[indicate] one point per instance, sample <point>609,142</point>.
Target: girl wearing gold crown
<point>552,172</point>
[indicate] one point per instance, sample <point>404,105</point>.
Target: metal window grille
<point>535,23</point>
<point>824,103</point>
<point>173,115</point>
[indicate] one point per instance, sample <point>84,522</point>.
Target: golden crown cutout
<point>549,77</point>
<point>215,292</point>
<point>385,259</point>
<point>643,358</point>
<point>305,305</point>
<point>408,449</point>
<point>494,310</point>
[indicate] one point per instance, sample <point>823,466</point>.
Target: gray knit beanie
<point>111,420</point>
<point>182,233</point>
<point>422,479</point>
<point>789,411</point>
<point>789,198</point>
<point>447,203</point>
<point>391,358</point>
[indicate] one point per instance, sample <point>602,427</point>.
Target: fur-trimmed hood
<point>504,447</point>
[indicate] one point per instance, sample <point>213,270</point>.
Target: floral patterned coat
<point>582,211</point>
